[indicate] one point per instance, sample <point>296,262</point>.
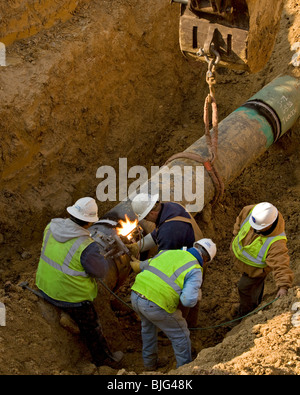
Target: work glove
<point>134,249</point>
<point>281,292</point>
<point>135,264</point>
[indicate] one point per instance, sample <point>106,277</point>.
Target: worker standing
<point>174,226</point>
<point>259,247</point>
<point>169,277</point>
<point>69,264</point>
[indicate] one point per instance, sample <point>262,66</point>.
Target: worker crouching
<point>259,247</point>
<point>164,280</point>
<point>69,264</point>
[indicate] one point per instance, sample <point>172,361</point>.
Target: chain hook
<point>212,62</point>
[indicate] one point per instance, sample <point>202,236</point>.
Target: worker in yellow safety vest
<point>174,228</point>
<point>69,264</point>
<point>259,246</point>
<point>164,280</point>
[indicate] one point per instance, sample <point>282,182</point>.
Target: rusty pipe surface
<point>243,137</point>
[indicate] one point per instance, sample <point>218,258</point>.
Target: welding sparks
<point>127,227</point>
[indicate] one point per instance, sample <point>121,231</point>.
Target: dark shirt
<point>173,235</point>
<point>93,262</point>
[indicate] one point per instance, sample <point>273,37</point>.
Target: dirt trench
<point>106,83</point>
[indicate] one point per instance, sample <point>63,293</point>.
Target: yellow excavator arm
<point>242,32</point>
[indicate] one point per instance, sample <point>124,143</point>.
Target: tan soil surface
<point>111,82</point>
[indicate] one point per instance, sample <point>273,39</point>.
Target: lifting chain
<point>211,140</point>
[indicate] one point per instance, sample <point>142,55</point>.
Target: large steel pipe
<point>243,137</point>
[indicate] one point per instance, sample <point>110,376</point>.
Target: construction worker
<point>259,247</point>
<point>175,227</point>
<point>169,277</point>
<point>69,264</point>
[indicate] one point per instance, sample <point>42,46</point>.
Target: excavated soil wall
<point>22,19</point>
<point>108,81</point>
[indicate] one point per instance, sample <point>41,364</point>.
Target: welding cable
<point>236,319</point>
<point>207,327</point>
<point>115,295</point>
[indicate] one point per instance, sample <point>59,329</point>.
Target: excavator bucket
<point>243,32</point>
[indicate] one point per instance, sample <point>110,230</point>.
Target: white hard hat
<point>143,203</point>
<point>263,215</point>
<point>208,245</point>
<point>85,209</point>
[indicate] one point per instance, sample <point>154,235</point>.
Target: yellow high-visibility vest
<point>255,253</point>
<point>162,281</point>
<point>60,273</point>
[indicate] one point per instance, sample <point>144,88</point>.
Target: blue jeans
<point>173,325</point>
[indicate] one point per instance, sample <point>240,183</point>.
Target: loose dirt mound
<point>109,83</point>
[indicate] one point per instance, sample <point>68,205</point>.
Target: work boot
<point>161,362</point>
<point>116,356</point>
<point>107,358</point>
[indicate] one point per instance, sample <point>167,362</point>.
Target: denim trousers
<point>173,325</point>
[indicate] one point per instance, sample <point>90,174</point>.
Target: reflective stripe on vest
<point>65,266</point>
<point>259,261</point>
<point>171,280</point>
